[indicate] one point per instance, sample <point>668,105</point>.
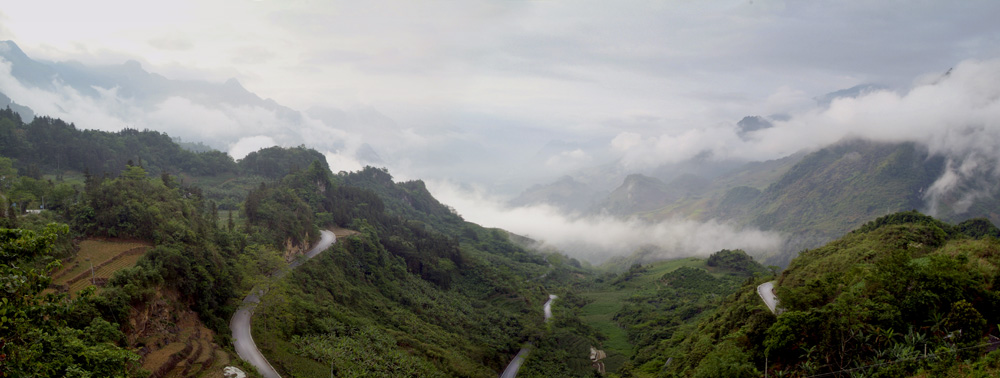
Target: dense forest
<point>451,294</point>
<point>191,255</point>
<point>903,295</point>
<point>433,294</point>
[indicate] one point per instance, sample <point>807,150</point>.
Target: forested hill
<point>817,197</point>
<point>838,188</point>
<point>419,289</point>
<point>47,144</point>
<point>53,147</point>
<point>409,199</point>
<point>904,295</point>
<point>415,291</point>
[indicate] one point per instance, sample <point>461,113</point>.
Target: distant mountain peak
<point>233,82</point>
<point>638,177</point>
<point>750,124</point>
<point>852,92</point>
<point>8,47</point>
<point>11,52</point>
<point>132,64</point>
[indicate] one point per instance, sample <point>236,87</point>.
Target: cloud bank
<point>236,129</point>
<point>598,238</point>
<point>954,114</point>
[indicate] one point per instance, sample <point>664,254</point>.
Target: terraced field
<point>190,353</point>
<point>95,262</point>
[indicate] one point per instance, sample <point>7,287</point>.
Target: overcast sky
<point>581,69</point>
<point>491,93</point>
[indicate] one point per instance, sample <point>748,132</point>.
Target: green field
<point>607,299</point>
<point>100,257</point>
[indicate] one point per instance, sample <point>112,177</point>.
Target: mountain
<point>409,287</point>
<point>852,92</point>
<point>23,111</point>
<point>750,124</point>
<point>641,195</point>
<point>53,146</point>
<point>838,188</point>
<point>130,81</point>
<point>143,99</point>
<point>695,196</point>
<point>638,194</point>
<point>567,194</point>
<point>25,69</point>
<point>811,198</point>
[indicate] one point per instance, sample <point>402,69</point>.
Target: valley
<point>426,293</point>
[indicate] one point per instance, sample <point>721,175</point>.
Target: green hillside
<point>639,194</point>
<point>820,196</point>
<point>838,188</point>
<point>905,295</point>
<point>417,291</point>
<point>638,309</point>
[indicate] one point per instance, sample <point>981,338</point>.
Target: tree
<point>35,338</point>
<point>134,172</point>
<point>965,323</point>
<point>7,173</point>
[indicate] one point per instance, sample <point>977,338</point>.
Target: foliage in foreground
<point>44,335</point>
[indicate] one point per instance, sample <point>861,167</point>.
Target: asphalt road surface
<point>240,324</point>
<point>515,364</point>
<point>766,292</point>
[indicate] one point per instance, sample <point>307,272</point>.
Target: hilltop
<point>904,295</point>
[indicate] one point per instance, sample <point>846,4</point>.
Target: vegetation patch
<point>96,261</point>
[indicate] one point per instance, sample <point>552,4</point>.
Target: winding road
<point>515,364</point>
<point>766,293</point>
<point>240,324</point>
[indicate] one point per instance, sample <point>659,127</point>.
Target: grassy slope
<point>890,291</point>
<point>607,299</point>
<point>706,204</point>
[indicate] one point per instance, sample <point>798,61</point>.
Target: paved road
<point>548,306</point>
<point>515,364</point>
<point>766,293</point>
<point>240,324</point>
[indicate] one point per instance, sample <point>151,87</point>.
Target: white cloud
<point>598,238</point>
<point>67,103</point>
<point>237,129</point>
<point>246,145</point>
<point>340,162</point>
<point>626,141</point>
<point>568,160</point>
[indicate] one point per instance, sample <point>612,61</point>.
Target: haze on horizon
<point>497,96</point>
